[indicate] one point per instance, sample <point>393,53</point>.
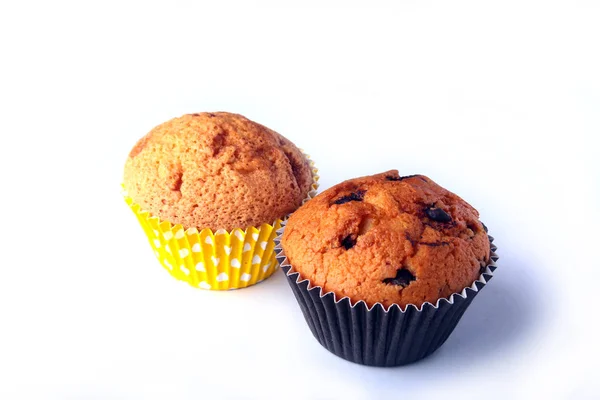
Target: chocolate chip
<point>434,244</point>
<point>393,178</point>
<point>403,278</point>
<point>437,214</point>
<point>348,242</point>
<point>211,115</point>
<point>407,236</point>
<point>484,227</point>
<point>399,178</point>
<point>355,196</point>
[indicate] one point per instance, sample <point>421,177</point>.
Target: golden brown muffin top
<point>387,239</point>
<point>216,170</point>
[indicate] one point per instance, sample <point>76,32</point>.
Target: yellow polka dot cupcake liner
<point>210,260</point>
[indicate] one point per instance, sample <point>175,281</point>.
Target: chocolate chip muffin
<point>387,239</point>
<point>216,170</point>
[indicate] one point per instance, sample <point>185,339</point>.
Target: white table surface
<point>497,101</point>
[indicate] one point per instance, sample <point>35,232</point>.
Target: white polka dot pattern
<point>213,261</point>
<point>204,285</point>
<point>209,260</point>
<point>222,277</point>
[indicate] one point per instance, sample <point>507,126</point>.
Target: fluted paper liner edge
<point>218,260</point>
<point>376,335</point>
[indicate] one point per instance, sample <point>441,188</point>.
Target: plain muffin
<point>387,239</point>
<point>216,170</point>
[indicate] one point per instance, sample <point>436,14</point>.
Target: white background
<point>497,101</point>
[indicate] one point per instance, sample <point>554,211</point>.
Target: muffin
<point>210,190</point>
<point>396,258</point>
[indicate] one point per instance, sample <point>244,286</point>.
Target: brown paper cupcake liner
<point>377,336</point>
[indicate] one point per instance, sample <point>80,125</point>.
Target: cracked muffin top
<point>216,170</point>
<point>387,239</point>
